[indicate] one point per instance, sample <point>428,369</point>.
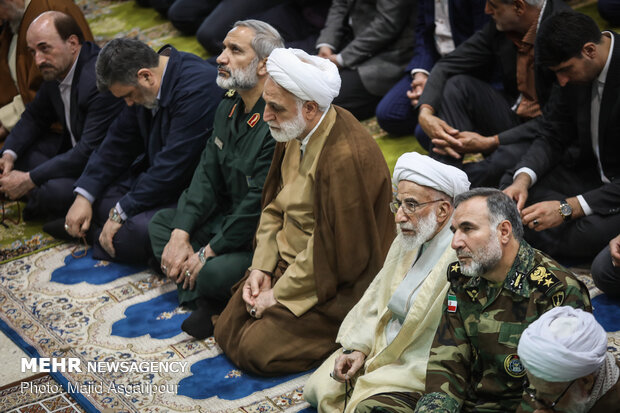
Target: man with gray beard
<point>387,336</point>
<point>205,244</point>
<point>566,358</point>
<point>498,286</point>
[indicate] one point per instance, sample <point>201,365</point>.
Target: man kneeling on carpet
<point>387,336</point>
<point>325,228</point>
<point>205,244</point>
<point>565,355</point>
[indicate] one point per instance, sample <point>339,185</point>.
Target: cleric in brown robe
<point>324,231</point>
<point>19,76</point>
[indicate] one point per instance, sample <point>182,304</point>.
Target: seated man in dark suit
<point>20,78</point>
<point>44,166</point>
<point>441,26</point>
<point>150,152</point>
<point>370,42</point>
<point>570,177</point>
<point>460,110</point>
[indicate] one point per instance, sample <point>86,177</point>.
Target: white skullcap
<point>564,344</point>
<point>307,77</point>
<point>425,171</point>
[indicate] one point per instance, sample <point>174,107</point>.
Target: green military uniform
<point>221,207</point>
<point>473,366</point>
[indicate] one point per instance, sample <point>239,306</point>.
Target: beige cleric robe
<point>347,236</point>
<point>13,97</point>
<point>401,365</point>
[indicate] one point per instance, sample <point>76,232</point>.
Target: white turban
<point>562,345</point>
<point>426,171</point>
<point>307,77</point>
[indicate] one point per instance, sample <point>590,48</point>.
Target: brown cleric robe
<point>28,76</point>
<point>352,232</point>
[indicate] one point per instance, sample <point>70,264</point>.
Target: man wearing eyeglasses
<point>498,286</point>
<point>565,355</point>
<point>390,330</point>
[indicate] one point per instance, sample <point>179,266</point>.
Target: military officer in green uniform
<point>498,286</point>
<point>205,244</point>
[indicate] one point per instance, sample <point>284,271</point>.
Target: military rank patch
<point>254,120</point>
<point>454,271</point>
<point>542,279</point>
<point>232,111</point>
<point>513,366</point>
<point>230,93</point>
<point>218,142</point>
<point>452,304</point>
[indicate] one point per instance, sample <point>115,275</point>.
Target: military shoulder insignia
<point>558,298</point>
<point>454,271</point>
<point>543,279</point>
<point>230,93</point>
<point>513,366</point>
<point>254,120</point>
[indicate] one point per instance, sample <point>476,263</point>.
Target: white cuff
<point>528,171</point>
<point>414,71</point>
<point>584,205</point>
<point>339,60</point>
<point>318,46</point>
<point>120,211</point>
<point>12,153</point>
<point>85,194</point>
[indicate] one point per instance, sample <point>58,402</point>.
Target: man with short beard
<point>150,152</point>
<point>498,286</point>
<point>205,244</point>
<point>324,230</point>
<point>388,334</point>
<point>20,78</point>
<point>568,365</point>
<point>37,164</point>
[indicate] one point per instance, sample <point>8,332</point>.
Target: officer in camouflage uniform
<point>497,288</point>
<point>205,244</point>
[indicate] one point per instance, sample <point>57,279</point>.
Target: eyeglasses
<point>544,403</point>
<point>409,207</point>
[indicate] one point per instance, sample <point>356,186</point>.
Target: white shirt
<point>65,95</point>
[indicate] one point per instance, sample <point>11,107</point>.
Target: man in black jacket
<point>44,165</point>
<point>462,112</point>
<point>570,177</point>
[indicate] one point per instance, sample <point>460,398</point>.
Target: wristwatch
<point>565,210</point>
<point>114,216</point>
<point>201,255</point>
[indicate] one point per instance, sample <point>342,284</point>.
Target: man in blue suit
<point>441,26</point>
<point>37,162</point>
<point>150,152</point>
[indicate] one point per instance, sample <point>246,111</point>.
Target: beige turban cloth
<point>425,171</point>
<point>562,345</point>
<point>307,77</point>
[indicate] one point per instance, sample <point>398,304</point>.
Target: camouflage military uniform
<point>474,362</point>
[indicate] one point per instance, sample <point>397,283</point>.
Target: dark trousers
<point>395,114</point>
<point>188,15</point>
<point>578,239</point>
<point>354,97</point>
<point>131,242</point>
<point>52,198</point>
<point>610,11</point>
<point>217,275</point>
<point>605,275</point>
<point>470,104</point>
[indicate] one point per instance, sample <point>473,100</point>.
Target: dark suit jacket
<point>480,56</point>
<point>377,44</point>
<point>466,16</point>
<point>160,151</point>
<point>91,113</point>
<point>28,75</point>
<point>568,126</point>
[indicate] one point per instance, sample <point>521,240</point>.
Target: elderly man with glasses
<point>386,337</point>
<point>566,358</point>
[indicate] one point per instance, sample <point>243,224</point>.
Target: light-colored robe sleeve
<point>266,251</point>
<point>296,290</point>
<point>12,112</point>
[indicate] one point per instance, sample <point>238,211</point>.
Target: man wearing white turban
<point>325,228</point>
<point>565,355</point>
<point>386,338</point>
<point>498,286</point>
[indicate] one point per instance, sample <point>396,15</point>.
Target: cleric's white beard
<point>290,129</point>
<point>423,232</point>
